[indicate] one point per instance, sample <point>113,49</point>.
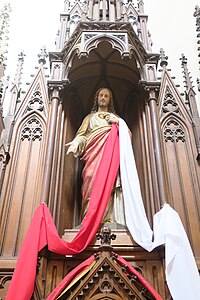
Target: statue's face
<point>103,98</point>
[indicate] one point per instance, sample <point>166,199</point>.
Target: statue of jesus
<point>89,144</point>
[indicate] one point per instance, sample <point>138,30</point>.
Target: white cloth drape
<point>180,267</point>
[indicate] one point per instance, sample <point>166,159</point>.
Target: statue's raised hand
<point>73,147</point>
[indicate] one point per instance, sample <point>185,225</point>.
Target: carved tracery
<point>173,131</point>
<point>36,102</point>
<point>32,130</point>
<point>169,103</point>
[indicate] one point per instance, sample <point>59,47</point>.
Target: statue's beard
<point>103,104</point>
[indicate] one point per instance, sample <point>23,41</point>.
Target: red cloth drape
<point>132,270</point>
<point>93,152</point>
<point>42,230</point>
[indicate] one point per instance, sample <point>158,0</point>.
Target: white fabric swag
<point>181,271</point>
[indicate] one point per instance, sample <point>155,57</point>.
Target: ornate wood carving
<point>5,278</point>
<point>36,102</point>
<point>53,268</point>
<point>182,168</point>
<point>32,130</point>
<point>21,194</point>
<point>173,131</point>
<point>107,279</point>
<point>169,103</point>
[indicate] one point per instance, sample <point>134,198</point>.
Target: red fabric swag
<point>69,277</point>
<point>42,230</point>
<point>132,270</point>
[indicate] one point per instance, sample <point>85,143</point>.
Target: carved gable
<point>106,279</point>
<point>36,98</point>
<point>170,100</point>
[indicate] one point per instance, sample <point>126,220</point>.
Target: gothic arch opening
<point>103,66</point>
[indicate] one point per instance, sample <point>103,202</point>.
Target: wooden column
<point>160,169</point>
<point>55,99</point>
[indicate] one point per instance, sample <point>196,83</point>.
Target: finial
<point>42,56</point>
<point>141,6</point>
<point>187,77</point>
<point>163,58</point>
<point>105,236</point>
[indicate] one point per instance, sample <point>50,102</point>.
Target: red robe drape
<point>42,230</point>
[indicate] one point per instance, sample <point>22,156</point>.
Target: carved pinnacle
<point>187,81</point>
<point>17,79</point>
<point>163,58</point>
<point>197,15</point>
<point>42,56</point>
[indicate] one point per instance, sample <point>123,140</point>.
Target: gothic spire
<point>197,15</point>
<point>15,90</point>
<point>144,33</point>
<point>191,100</point>
<point>4,24</point>
<point>187,77</point>
<point>189,91</point>
<point>17,79</point>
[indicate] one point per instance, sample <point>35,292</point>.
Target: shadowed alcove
<point>103,67</point>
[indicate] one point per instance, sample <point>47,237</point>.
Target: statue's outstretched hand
<point>73,147</point>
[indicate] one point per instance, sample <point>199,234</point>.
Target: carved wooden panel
<point>5,278</point>
<point>182,172</point>
<point>24,182</point>
<point>182,167</point>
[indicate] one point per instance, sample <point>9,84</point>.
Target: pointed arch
<point>117,42</point>
<point>22,191</point>
<point>176,117</point>
<point>31,115</point>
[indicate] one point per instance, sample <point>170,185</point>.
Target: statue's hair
<point>111,108</point>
